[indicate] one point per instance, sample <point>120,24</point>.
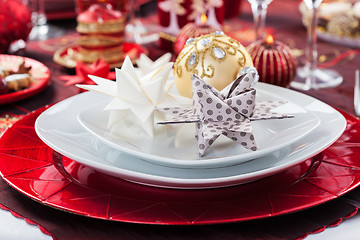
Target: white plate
<point>346,41</point>
<point>58,127</point>
<point>175,145</point>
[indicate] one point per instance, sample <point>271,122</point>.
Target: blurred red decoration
<point>232,8</point>
<point>192,30</point>
<point>99,68</point>
<point>183,19</point>
<point>274,61</point>
<point>175,14</point>
<point>15,22</point>
<point>101,31</point>
<point>82,5</point>
<point>3,86</point>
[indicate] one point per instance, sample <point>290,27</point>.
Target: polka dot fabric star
<point>228,112</point>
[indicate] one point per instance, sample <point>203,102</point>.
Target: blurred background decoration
<point>175,14</point>
<point>274,61</point>
<point>102,31</point>
<point>193,30</point>
<point>15,25</point>
<point>83,5</point>
<point>339,21</point>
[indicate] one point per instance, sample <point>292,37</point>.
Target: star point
<point>137,93</point>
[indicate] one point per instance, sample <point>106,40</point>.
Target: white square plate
<point>59,128</point>
<point>175,145</point>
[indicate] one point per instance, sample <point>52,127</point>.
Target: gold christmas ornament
<point>216,58</point>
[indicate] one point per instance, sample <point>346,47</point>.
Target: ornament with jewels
<point>216,58</point>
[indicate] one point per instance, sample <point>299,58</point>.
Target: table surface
<point>13,228</point>
<point>284,21</point>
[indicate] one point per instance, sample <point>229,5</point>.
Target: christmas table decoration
<point>193,30</point>
<point>175,14</point>
<point>146,65</point>
<point>102,34</point>
<point>138,95</point>
<point>338,19</point>
<point>216,58</point>
<point>83,5</point>
<point>99,68</point>
<point>274,61</point>
<point>228,112</point>
<point>15,23</point>
<point>68,56</point>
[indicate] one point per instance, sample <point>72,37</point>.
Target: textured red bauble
<point>274,62</point>
<point>191,30</point>
<point>15,22</point>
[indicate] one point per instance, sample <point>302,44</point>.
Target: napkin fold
<point>146,65</point>
<point>228,112</point>
<point>138,94</point>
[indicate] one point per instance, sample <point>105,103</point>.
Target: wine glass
<point>134,29</point>
<point>310,76</point>
<point>39,20</point>
<point>259,9</point>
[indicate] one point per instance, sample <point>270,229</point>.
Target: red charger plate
<point>40,74</point>
<point>34,169</point>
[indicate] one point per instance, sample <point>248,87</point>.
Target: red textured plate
<point>35,170</point>
<point>39,71</point>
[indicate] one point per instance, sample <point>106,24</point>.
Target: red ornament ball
<point>3,86</point>
<point>274,62</point>
<point>191,30</point>
<point>15,22</point>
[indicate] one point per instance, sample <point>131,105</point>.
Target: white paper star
<point>140,95</point>
<point>146,65</point>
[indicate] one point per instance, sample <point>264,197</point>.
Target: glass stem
<point>131,12</point>
<point>311,50</point>
<point>259,12</point>
<point>41,13</point>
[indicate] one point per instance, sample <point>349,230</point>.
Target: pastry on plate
<point>16,80</point>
